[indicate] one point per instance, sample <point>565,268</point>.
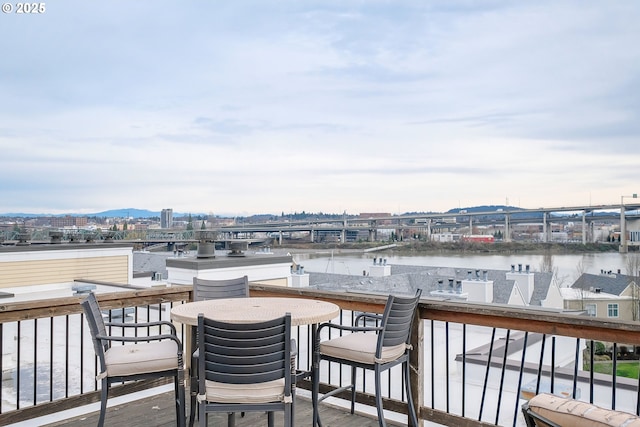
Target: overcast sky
<point>244,107</point>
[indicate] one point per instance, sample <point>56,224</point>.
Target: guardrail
<point>474,365</point>
<point>48,364</point>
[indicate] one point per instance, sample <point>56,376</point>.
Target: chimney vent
<point>56,237</point>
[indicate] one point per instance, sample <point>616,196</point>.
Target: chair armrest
<point>349,328</point>
<point>366,316</point>
<point>143,325</point>
<point>141,339</point>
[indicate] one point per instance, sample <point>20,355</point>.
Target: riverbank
<point>438,248</point>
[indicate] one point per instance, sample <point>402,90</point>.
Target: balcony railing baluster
<point>614,375</point>
<point>552,388</point>
<point>541,364</point>
<point>592,353</point>
<point>575,369</point>
<point>446,359</point>
<point>486,375</point>
<point>522,360</point>
<point>464,367</point>
<point>18,365</point>
<point>35,362</point>
<point>433,350</point>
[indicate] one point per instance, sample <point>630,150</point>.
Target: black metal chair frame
<point>535,420</point>
<point>245,354</point>
<point>394,328</point>
<point>103,341</point>
<point>205,289</point>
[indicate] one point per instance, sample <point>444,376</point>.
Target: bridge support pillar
<point>623,231</point>
<point>507,229</point>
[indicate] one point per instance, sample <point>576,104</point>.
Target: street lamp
<point>623,231</point>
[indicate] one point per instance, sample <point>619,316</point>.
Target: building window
<point>612,310</point>
<point>591,310</point>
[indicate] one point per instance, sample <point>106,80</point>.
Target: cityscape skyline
<point>256,107</point>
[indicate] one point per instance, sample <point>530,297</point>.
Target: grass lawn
<point>628,369</point>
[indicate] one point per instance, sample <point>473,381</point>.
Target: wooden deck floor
<point>159,411</point>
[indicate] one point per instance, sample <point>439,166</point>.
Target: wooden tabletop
<point>247,310</point>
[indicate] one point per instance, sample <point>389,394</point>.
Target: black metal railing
<point>477,364</point>
<point>473,365</point>
<point>48,363</point>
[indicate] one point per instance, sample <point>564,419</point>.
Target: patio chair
<point>141,357</point>
<point>245,367</point>
<point>205,289</point>
<point>376,348</point>
<point>549,410</point>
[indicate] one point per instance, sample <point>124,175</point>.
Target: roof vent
<point>237,248</point>
<point>597,290</point>
<point>55,236</point>
<point>23,239</point>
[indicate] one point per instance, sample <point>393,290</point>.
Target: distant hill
<point>113,213</point>
<point>127,213</point>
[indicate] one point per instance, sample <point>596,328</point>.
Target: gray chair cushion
<point>360,347</point>
<point>569,412</point>
<point>270,391</point>
<point>141,358</point>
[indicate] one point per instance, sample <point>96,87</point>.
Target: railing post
<point>416,365</point>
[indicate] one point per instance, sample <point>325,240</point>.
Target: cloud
<point>261,106</point>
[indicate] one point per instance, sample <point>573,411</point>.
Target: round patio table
<point>258,309</point>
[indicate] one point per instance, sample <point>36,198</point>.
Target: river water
<point>569,267</point>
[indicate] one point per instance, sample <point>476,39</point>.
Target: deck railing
<point>48,363</point>
<point>473,365</point>
<point>476,364</point>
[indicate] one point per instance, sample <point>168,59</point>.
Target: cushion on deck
<point>360,347</point>
<point>270,391</point>
<point>570,412</point>
<point>141,358</point>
